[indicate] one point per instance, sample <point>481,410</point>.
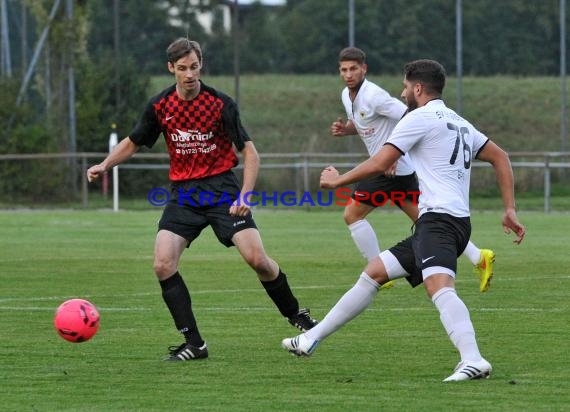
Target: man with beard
<point>441,145</point>
<point>372,114</point>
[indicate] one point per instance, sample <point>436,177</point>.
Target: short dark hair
<point>352,54</point>
<point>428,72</point>
<point>182,47</point>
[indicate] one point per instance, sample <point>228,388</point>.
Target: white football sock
<point>365,239</point>
<point>472,252</point>
<point>350,305</point>
<point>455,318</point>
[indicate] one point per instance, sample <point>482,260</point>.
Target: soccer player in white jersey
<point>442,145</point>
<point>372,114</point>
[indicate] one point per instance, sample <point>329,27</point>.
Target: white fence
<point>300,163</point>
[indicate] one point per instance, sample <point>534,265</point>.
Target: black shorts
<point>438,240</point>
<point>196,204</point>
<point>381,190</point>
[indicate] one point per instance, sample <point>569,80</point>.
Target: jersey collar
<point>435,100</point>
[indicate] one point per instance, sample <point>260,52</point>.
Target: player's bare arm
<point>500,160</point>
<point>379,163</point>
<point>123,151</point>
<point>341,128</point>
<point>250,171</point>
<point>391,171</point>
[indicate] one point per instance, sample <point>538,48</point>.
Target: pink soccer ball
<point>76,320</point>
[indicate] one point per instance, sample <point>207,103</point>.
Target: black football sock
<point>177,298</point>
<point>281,294</point>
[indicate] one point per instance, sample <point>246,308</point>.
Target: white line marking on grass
<point>50,309</point>
<point>194,292</point>
<point>472,309</point>
<point>271,309</point>
<point>341,288</point>
<point>254,290</point>
<point>406,309</point>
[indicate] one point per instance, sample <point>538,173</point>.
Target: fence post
<point>84,181</point>
<point>113,141</point>
<point>306,178</point>
<point>547,183</point>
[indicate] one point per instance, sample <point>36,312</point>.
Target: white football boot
<point>468,370</point>
<point>300,345</point>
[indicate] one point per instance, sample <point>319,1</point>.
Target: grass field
<point>392,358</point>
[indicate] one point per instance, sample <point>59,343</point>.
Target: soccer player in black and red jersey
<point>201,127</point>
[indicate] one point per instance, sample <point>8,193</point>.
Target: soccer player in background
<point>201,127</point>
<point>441,145</point>
<point>372,114</point>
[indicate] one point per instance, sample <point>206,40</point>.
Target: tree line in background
<point>517,37</point>
<point>116,46</point>
<point>500,37</point>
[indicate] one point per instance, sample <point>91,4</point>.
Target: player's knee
<point>376,270</point>
<point>260,263</point>
<point>350,216</point>
<point>353,213</point>
<point>163,268</point>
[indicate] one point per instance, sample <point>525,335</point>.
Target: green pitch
<point>392,358</point>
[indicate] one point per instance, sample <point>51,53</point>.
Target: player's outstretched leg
<point>350,305</point>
